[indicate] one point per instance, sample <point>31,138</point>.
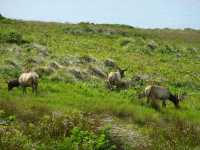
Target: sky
<point>137,13</point>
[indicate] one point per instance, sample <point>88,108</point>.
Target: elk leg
<point>148,100</point>
<point>110,85</point>
<point>163,104</point>
<point>155,104</point>
<point>35,88</point>
<point>24,90</point>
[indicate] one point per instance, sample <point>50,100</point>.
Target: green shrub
<point>168,49</point>
<point>8,72</point>
<point>85,140</point>
<point>176,135</point>
<point>14,37</point>
<point>11,138</point>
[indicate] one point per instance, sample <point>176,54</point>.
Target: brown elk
<point>154,93</point>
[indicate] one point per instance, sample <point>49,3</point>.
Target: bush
<point>176,135</point>
<point>85,140</point>
<point>12,37</point>
<point>56,126</point>
<point>13,139</point>
<point>9,71</point>
<point>168,49</point>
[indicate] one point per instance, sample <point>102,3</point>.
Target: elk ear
<point>124,69</point>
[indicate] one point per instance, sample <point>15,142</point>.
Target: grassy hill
<point>74,109</point>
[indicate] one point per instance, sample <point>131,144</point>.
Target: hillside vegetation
<point>74,109</point>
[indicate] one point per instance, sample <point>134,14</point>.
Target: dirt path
<point>126,136</point>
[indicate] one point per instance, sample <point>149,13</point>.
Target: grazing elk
<point>114,78</point>
<point>154,93</point>
<point>29,79</point>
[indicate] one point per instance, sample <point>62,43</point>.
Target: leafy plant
<point>85,140</point>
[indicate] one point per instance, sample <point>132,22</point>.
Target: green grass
<point>86,98</point>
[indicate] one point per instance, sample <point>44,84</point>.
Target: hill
<point>74,109</point>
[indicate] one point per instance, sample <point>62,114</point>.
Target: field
<point>74,109</point>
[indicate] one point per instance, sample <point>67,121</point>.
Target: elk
<point>154,93</point>
<point>29,79</point>
<point>114,78</point>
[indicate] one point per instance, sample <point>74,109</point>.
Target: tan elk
<point>154,93</point>
<point>29,79</point>
<point>114,78</point>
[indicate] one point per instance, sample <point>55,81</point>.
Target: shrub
<point>58,125</point>
<point>176,135</point>
<point>85,140</point>
<point>13,139</point>
<point>7,72</point>
<point>168,49</point>
<point>14,37</point>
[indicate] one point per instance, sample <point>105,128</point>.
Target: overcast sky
<point>138,13</point>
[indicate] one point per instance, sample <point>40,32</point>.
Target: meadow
<point>72,107</point>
